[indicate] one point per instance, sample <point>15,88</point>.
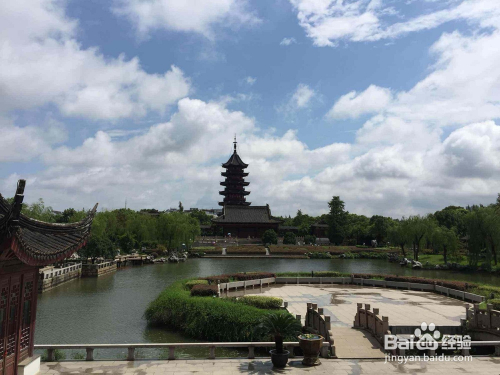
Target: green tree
<point>379,225</point>
<point>483,229</point>
<point>126,242</point>
<point>270,237</point>
<point>452,217</point>
<point>66,216</point>
<point>201,216</point>
<point>399,234</point>
<point>289,239</point>
<point>98,247</point>
<point>181,207</point>
<point>337,220</point>
<point>445,240</point>
<point>419,227</point>
<point>39,211</point>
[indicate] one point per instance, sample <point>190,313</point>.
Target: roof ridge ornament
<point>235,143</point>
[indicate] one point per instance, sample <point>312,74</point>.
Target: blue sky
<point>389,104</point>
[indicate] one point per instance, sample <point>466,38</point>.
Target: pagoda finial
<point>235,142</point>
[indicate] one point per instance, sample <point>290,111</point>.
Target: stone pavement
<point>403,307</point>
<point>477,365</point>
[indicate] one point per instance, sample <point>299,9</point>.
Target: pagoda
<point>234,185</point>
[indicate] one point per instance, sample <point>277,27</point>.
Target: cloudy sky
<point>393,105</point>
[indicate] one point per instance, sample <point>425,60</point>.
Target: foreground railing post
<point>251,352</point>
<point>212,352</point>
<point>90,354</point>
<point>171,352</point>
<point>497,350</point>
<point>50,355</point>
<point>131,354</point>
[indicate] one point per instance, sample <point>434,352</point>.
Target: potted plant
<point>311,345</point>
<point>280,325</point>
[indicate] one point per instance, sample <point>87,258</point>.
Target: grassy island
<point>208,317</point>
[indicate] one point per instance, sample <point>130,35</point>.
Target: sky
<point>392,105</point>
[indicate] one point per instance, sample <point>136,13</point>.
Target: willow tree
<point>176,228</point>
<point>419,227</point>
<point>400,235</point>
<point>445,240</point>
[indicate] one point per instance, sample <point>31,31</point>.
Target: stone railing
<point>225,287</point>
<point>211,346</point>
<point>50,277</point>
<point>317,322</point>
<point>372,322</point>
<point>98,269</point>
<point>488,319</point>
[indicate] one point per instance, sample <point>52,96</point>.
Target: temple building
<point>239,218</point>
<point>25,246</point>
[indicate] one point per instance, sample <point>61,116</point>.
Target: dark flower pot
<point>279,359</point>
<point>310,345</point>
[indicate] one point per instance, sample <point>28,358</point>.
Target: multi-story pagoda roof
<point>246,214</point>
<point>34,242</point>
<point>234,184</point>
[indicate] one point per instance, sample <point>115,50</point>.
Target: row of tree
<point>475,229</point>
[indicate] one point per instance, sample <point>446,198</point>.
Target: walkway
<point>479,365</point>
<point>403,307</point>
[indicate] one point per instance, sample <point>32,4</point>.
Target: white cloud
<point>196,16</point>
<point>41,63</point>
<point>287,41</point>
<point>353,104</point>
<point>329,21</point>
<point>250,80</point>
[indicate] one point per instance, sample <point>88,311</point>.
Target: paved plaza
<point>478,365</point>
<point>403,307</point>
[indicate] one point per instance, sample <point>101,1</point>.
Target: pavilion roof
<point>246,214</point>
<point>35,242</point>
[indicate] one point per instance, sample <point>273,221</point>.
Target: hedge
<point>204,290</point>
<point>225,278</point>
<point>191,283</point>
<point>212,319</point>
<point>261,302</point>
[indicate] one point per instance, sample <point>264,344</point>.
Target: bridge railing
<point>225,287</point>
<point>318,322</point>
<point>211,346</point>
<point>371,321</point>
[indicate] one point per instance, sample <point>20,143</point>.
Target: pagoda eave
<point>224,192</point>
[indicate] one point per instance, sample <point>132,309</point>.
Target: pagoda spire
<point>234,184</point>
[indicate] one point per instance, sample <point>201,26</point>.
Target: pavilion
<point>25,246</point>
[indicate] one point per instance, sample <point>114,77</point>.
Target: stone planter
<point>310,345</point>
<point>279,360</point>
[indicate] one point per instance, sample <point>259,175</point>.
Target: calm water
<point>110,309</point>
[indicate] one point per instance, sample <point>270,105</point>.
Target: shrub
<point>204,290</point>
<point>309,239</point>
<point>496,303</point>
<point>191,283</point>
<point>213,319</point>
<point>261,302</point>
<point>289,239</point>
<point>316,255</point>
<point>270,237</point>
